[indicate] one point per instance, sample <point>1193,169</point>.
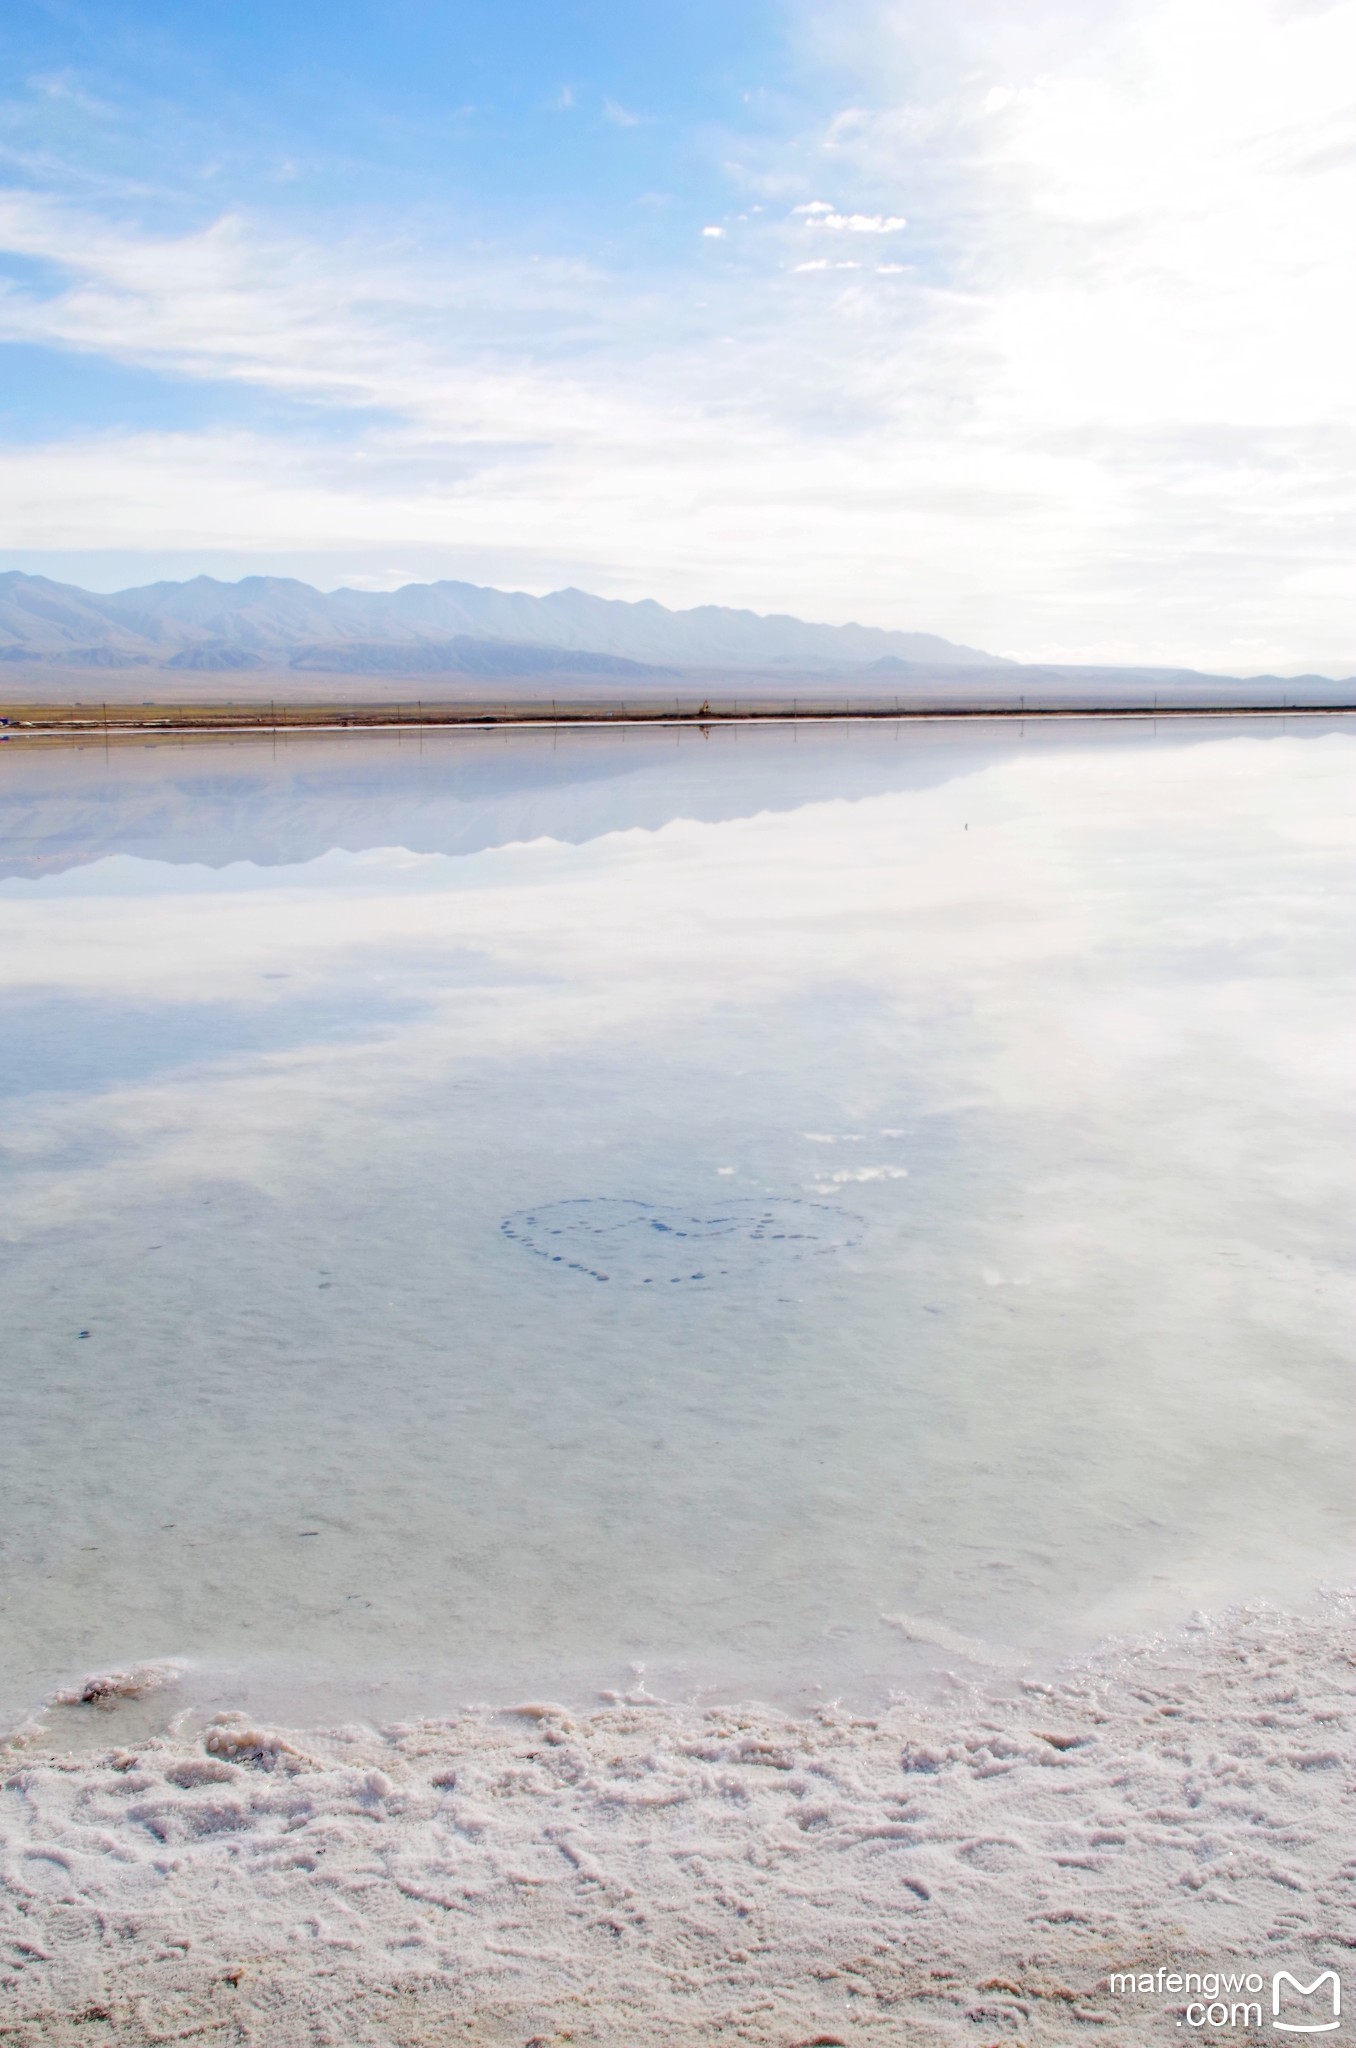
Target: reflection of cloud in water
<point>642,1242</point>
<point>848,1174</point>
<point>1084,1371</point>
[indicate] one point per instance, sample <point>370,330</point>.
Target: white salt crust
<point>648,1874</point>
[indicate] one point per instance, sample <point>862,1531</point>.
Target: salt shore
<point>650,1874</point>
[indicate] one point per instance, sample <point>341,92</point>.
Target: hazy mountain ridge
<point>203,622</point>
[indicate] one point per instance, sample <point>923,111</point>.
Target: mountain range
<point>426,629</point>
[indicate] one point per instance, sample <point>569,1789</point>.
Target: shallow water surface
<point>781,1210</point>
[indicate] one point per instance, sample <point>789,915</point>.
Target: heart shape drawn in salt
<point>646,1244</point>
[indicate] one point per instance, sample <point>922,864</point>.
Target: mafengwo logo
<point>1238,1998</point>
<point>1287,1992</point>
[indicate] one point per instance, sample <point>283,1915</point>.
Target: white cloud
<point>714,234</point>
<point>856,223</point>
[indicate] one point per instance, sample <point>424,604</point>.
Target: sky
<point>1027,322</point>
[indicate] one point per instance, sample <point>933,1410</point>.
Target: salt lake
<point>766,1212</point>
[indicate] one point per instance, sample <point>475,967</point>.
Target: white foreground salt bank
<point>649,1874</point>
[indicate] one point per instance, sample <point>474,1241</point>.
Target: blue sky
<point>1025,324</point>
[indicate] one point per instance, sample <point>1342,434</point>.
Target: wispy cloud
<point>68,86</point>
<point>818,215</point>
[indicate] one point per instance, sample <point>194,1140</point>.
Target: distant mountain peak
<point>272,619</point>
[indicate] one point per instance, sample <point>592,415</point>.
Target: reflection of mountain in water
<point>280,804</point>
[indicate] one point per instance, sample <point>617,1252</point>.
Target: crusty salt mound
<point>106,1688</point>
<point>650,1875</point>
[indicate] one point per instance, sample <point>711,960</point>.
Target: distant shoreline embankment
<point>75,720</point>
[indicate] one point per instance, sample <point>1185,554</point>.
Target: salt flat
<point>641,1874</point>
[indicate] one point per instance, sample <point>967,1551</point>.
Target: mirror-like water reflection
<point>776,1208</point>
